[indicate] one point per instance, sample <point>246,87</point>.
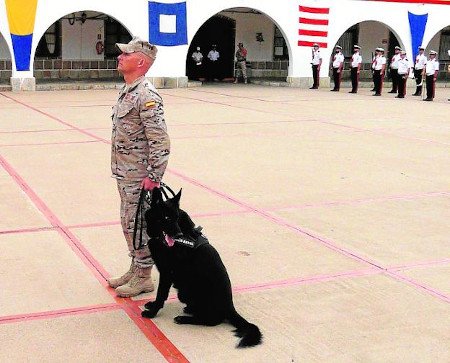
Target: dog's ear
<point>156,196</point>
<point>176,198</point>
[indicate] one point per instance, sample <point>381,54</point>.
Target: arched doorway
<point>80,46</point>
<point>5,62</point>
<point>369,35</point>
<point>441,44</point>
<point>219,31</point>
<point>268,50</point>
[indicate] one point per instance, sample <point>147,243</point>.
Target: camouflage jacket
<point>140,145</point>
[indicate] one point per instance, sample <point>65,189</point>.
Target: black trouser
<point>355,79</point>
<point>430,87</point>
<point>395,79</point>
<point>315,71</point>
<point>336,79</point>
<point>378,81</point>
<point>401,82</point>
<point>418,77</point>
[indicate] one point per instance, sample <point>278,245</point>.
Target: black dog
<point>185,259</point>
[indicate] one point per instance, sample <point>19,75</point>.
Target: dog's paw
<point>181,319</point>
<point>149,313</point>
<point>151,309</point>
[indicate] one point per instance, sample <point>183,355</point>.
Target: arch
<point>435,42</point>
<point>5,63</point>
<point>402,44</point>
<point>218,11</point>
<point>79,45</point>
<point>77,15</point>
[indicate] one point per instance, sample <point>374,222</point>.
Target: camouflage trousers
<point>129,192</point>
<point>243,66</point>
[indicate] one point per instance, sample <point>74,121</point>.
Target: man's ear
<point>176,198</point>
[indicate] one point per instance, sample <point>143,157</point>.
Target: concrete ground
<point>330,210</point>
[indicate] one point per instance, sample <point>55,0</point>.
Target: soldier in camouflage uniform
<point>139,155</point>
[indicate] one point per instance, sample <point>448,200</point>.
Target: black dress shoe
<point>415,94</point>
<point>392,92</point>
<point>399,96</point>
<point>313,87</point>
<point>428,99</point>
<point>376,94</point>
<point>333,90</point>
<point>352,92</point>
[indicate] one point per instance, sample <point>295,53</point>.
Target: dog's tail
<point>249,333</point>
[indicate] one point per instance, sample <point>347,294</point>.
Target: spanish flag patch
<point>150,104</point>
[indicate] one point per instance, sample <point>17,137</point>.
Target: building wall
<point>79,39</point>
<point>247,25</point>
<point>372,35</point>
<point>285,14</point>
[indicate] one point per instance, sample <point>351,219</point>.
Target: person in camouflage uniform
<point>139,155</point>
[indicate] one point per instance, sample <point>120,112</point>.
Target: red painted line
<point>314,33</point>
<point>27,230</point>
<point>409,266</point>
<point>148,328</point>
<point>305,280</point>
<point>302,43</point>
<point>303,20</point>
<point>58,313</point>
<point>98,224</point>
<point>436,293</point>
<point>307,9</point>
<point>33,131</point>
<point>406,197</point>
<point>54,118</point>
<point>51,143</point>
<point>328,243</point>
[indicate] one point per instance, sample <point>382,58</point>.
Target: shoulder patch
<point>150,104</point>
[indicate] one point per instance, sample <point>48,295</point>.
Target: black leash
<point>146,195</point>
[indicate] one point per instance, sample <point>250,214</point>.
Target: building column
<point>23,81</point>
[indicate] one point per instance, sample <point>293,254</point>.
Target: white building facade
<point>53,39</point>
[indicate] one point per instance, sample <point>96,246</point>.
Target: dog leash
<point>140,212</point>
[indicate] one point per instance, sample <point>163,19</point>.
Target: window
<point>280,51</point>
<point>49,45</point>
<point>114,33</point>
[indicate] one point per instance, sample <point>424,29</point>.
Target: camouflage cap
<point>138,45</point>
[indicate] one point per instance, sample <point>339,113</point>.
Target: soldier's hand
<point>149,184</point>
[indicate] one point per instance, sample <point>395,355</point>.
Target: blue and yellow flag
<point>21,16</point>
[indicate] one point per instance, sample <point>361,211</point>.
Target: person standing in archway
<point>241,58</point>
<point>338,66</point>
<point>140,149</point>
<point>197,58</point>
<point>431,71</point>
<point>355,68</point>
<point>419,70</point>
<point>402,74</point>
<point>316,62</point>
<point>379,67</point>
<point>394,69</point>
<point>213,64</point>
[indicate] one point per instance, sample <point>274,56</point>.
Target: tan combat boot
<point>139,283</point>
<point>115,282</point>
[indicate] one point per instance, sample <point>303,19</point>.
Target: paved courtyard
<point>330,210</point>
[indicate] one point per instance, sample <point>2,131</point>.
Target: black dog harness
<point>193,243</point>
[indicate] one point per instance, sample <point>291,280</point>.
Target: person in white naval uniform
<point>419,70</point>
<point>431,71</point>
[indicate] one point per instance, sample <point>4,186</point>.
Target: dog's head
<point>162,217</point>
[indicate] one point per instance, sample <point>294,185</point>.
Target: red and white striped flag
<point>313,26</point>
